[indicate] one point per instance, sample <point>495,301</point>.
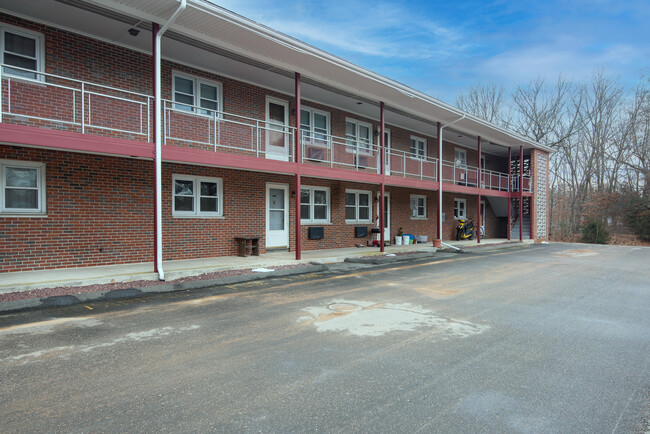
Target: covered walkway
<point>23,281</point>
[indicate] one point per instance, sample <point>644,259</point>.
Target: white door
<point>277,131</point>
<point>386,215</point>
<point>277,216</point>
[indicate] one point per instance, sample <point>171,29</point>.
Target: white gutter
<point>440,174</point>
<point>157,134</point>
<point>450,246</point>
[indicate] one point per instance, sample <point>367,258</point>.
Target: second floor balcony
<point>63,104</point>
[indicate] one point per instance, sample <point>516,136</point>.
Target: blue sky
<point>443,47</point>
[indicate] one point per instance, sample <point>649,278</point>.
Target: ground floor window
<point>314,204</point>
<point>418,206</point>
<point>197,196</point>
<point>22,187</point>
<point>357,206</point>
<point>460,209</point>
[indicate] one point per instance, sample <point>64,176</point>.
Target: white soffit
<point>212,24</point>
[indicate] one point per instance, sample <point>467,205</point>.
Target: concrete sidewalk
<point>75,285</point>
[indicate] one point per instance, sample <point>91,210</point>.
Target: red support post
<point>478,198</point>
<point>530,209</point>
<point>439,222</point>
<point>155,27</point>
<point>509,191</point>
<point>530,198</point>
<point>298,165</point>
<point>521,193</point>
<point>382,170</point>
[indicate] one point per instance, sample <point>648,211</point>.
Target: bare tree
<point>636,142</point>
<point>600,136</point>
<point>546,113</point>
<point>487,101</point>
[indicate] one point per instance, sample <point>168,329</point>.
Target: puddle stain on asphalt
<point>48,326</point>
<point>364,318</point>
<point>577,253</point>
<point>62,351</point>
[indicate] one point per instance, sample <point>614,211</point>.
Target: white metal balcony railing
<point>61,103</point>
<point>407,165</point>
<point>186,124</point>
<point>527,183</point>
<point>333,151</point>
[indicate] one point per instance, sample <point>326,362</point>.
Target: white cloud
<point>363,27</point>
<point>550,61</point>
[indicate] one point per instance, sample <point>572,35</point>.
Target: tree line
<point>600,134</point>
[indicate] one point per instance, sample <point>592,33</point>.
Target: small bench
<point>242,243</point>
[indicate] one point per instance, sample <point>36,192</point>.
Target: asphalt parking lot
<point>545,338</point>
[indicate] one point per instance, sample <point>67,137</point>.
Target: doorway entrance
<point>386,215</point>
<point>277,131</point>
<point>277,216</point>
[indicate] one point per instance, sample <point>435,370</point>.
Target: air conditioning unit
<point>315,153</point>
<point>362,161</point>
<point>316,233</point>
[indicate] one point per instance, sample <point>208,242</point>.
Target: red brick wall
<point>400,210</point>
<point>99,212</point>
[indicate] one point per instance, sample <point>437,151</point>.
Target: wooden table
<point>242,243</point>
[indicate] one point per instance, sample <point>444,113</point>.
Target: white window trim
<point>423,141</point>
<point>328,133</point>
<point>356,148</point>
<point>416,197</point>
<point>464,202</point>
<point>40,184</point>
<point>197,197</point>
<point>40,50</point>
<point>464,152</point>
<point>312,220</point>
<point>196,83</point>
<point>356,206</point>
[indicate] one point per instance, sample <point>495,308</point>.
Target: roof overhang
<point>209,27</point>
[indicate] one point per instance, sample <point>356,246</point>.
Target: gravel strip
<point>72,290</point>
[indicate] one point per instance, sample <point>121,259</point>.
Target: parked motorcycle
<point>465,230</point>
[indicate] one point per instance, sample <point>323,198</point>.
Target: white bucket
<point>398,241</point>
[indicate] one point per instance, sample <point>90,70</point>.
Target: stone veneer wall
<point>541,195</point>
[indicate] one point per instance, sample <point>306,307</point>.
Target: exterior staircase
<point>514,231</point>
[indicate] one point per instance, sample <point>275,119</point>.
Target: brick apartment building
<point>252,133</point>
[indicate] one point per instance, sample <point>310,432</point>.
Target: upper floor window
<point>196,94</point>
<point>314,204</point>
<point>22,189</point>
<point>314,126</point>
<point>22,49</point>
<point>358,135</point>
<point>197,196</point>
<point>418,147</point>
<point>460,157</point>
<point>357,206</point>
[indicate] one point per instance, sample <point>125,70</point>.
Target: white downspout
<point>157,132</point>
<point>440,175</point>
